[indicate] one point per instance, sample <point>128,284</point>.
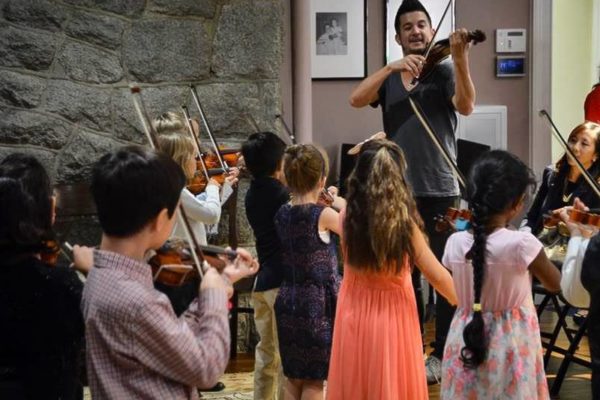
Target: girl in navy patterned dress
<point>305,305</point>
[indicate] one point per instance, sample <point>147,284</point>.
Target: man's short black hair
<point>409,6</point>
<point>131,186</point>
<point>263,152</point>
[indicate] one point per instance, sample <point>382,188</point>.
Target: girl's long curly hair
<point>381,212</point>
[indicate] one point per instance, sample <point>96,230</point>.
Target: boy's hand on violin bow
<point>83,259</point>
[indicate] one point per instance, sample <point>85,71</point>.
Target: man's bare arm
<point>368,90</point>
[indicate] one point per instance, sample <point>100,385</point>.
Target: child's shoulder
<point>267,188</point>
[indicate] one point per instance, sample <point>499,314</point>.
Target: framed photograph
<point>338,39</point>
<point>435,8</point>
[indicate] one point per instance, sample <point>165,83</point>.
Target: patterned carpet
<point>238,386</point>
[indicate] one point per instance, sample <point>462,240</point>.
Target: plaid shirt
<point>137,347</point>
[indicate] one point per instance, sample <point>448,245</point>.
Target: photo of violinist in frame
<point>447,89</point>
<point>331,34</point>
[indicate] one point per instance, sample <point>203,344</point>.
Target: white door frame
<point>540,72</point>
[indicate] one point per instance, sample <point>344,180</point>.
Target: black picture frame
<point>338,52</point>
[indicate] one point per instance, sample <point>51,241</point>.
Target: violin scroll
<point>441,50</point>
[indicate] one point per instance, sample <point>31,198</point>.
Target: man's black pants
<point>429,208</point>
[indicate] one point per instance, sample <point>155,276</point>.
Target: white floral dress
<point>514,367</point>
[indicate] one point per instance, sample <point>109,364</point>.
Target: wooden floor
<point>576,386</point>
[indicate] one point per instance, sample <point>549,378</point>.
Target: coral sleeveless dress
<point>377,348</point>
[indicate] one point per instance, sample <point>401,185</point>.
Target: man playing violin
<point>446,90</point>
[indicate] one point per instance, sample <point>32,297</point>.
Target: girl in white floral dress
<point>494,350</point>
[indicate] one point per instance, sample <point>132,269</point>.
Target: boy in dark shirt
<point>263,154</point>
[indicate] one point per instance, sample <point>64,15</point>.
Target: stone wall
<point>66,66</point>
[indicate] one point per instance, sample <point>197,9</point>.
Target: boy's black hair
<point>263,153</point>
<point>25,205</point>
<point>131,186</point>
<point>497,180</point>
<point>409,6</point>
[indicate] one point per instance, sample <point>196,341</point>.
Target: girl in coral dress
<point>377,348</point>
<point>494,348</point>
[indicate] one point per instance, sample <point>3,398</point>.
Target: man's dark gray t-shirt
<point>428,173</point>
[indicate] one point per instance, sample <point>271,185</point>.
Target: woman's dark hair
<point>381,212</point>
<point>131,186</point>
<point>562,166</point>
<point>35,192</point>
<point>497,181</point>
<point>263,153</point>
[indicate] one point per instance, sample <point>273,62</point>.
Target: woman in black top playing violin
<point>563,182</point>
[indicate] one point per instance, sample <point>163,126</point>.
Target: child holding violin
<point>263,154</point>
<point>494,348</point>
<point>202,210</point>
<point>42,326</point>
<point>305,304</point>
<point>205,208</point>
<point>136,346</point>
<point>377,346</point>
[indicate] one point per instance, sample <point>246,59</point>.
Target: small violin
<point>50,252</point>
<point>230,156</point>
<point>198,183</point>
<point>454,220</point>
<point>441,50</point>
<point>172,264</point>
<point>584,218</point>
<point>325,198</point>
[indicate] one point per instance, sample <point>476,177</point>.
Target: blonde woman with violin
<point>563,182</point>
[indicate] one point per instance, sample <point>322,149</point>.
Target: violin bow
<point>138,104</point>
<point>590,180</point>
<point>287,129</point>
<point>437,29</point>
<point>432,41</point>
<point>438,143</point>
<point>208,130</point>
<point>195,141</point>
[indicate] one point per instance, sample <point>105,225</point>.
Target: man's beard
<point>420,52</point>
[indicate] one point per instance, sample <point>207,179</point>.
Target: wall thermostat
<point>509,66</point>
<point>511,40</point>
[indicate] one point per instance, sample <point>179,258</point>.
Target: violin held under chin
<point>172,264</point>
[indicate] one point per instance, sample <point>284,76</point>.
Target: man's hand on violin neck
<point>412,63</point>
<point>459,44</point>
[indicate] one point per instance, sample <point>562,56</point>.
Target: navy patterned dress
<point>305,305</point>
